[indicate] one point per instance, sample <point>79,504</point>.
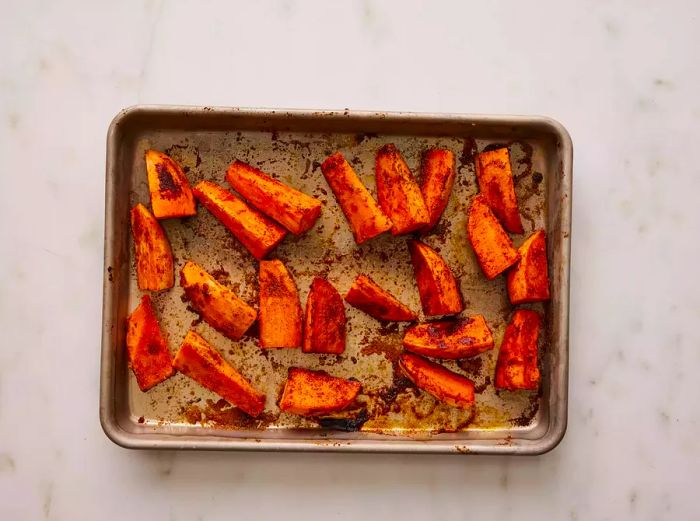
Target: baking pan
<point>290,145</point>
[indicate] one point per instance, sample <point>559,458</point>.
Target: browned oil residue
<point>478,389</point>
<point>192,414</point>
<point>142,419</point>
<point>221,275</point>
<point>468,152</point>
<point>109,273</point>
<point>471,366</point>
<point>526,417</point>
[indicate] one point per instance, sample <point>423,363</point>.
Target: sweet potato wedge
<point>494,249</point>
<point>171,195</point>
<point>437,179</point>
<point>451,388</point>
<point>496,184</point>
<point>517,359</point>
<point>201,362</point>
<point>528,280</point>
<point>293,209</point>
<point>149,357</point>
<point>154,258</point>
<point>437,287</point>
<point>258,233</point>
<point>398,193</point>
<point>218,305</point>
<point>280,309</point>
<point>324,322</point>
<point>315,393</point>
<point>366,295</point>
<point>450,339</point>
<point>365,217</point>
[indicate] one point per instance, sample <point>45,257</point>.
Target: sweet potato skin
<point>324,322</point>
<point>280,309</point>
<point>516,368</point>
<point>528,280</point>
<point>437,180</point>
<point>218,305</point>
<point>450,339</point>
<point>171,195</point>
<point>398,193</point>
<point>201,362</point>
<point>293,209</point>
<point>451,388</point>
<point>149,357</point>
<point>495,179</point>
<point>315,393</point>
<point>494,249</point>
<point>437,287</point>
<point>368,296</point>
<point>154,258</point>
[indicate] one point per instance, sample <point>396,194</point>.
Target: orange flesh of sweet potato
<point>443,384</point>
<point>517,359</point>
<point>528,280</point>
<point>218,305</point>
<point>293,209</point>
<point>398,193</point>
<point>438,177</point>
<point>496,184</point>
<point>315,393</point>
<point>494,249</point>
<point>154,258</point>
<point>437,287</point>
<point>324,323</point>
<point>257,233</point>
<point>450,339</point>
<point>201,362</point>
<point>280,309</point>
<point>171,195</point>
<point>365,217</point>
<point>149,357</point>
<point>366,295</point>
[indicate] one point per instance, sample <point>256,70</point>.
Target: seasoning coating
<point>437,179</point>
<point>450,339</point>
<point>516,368</point>
<point>495,178</point>
<point>370,297</point>
<point>324,323</point>
<point>154,257</point>
<point>171,195</point>
<point>280,309</point>
<point>437,287</point>
<point>445,385</point>
<point>314,393</point>
<point>528,280</point>
<point>494,249</point>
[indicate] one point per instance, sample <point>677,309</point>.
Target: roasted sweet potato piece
<point>201,362</point>
<point>494,249</point>
<point>365,217</point>
<point>218,305</point>
<point>496,184</point>
<point>149,357</point>
<point>443,384</point>
<point>450,339</point>
<point>324,323</point>
<point>398,193</point>
<point>154,258</point>
<point>368,296</point>
<point>171,195</point>
<point>528,280</point>
<point>259,234</point>
<point>437,179</point>
<point>280,309</point>
<point>517,359</point>
<point>315,393</point>
<point>437,287</point>
<point>293,209</point>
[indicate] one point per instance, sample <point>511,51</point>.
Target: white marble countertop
<point>624,78</point>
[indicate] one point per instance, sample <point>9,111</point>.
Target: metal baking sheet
<point>290,145</point>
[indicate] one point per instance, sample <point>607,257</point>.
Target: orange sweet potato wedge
<point>368,296</point>
<point>293,209</point>
<point>450,339</point>
<point>451,388</point>
<point>516,368</point>
<point>258,233</point>
<point>154,258</point>
<point>398,193</point>
<point>528,280</point>
<point>171,195</point>
<point>149,357</point>
<point>324,322</point>
<point>437,287</point>
<point>437,179</point>
<point>201,362</point>
<point>496,184</point>
<point>365,217</point>
<point>218,305</point>
<point>315,393</point>
<point>280,309</point>
<point>494,249</point>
